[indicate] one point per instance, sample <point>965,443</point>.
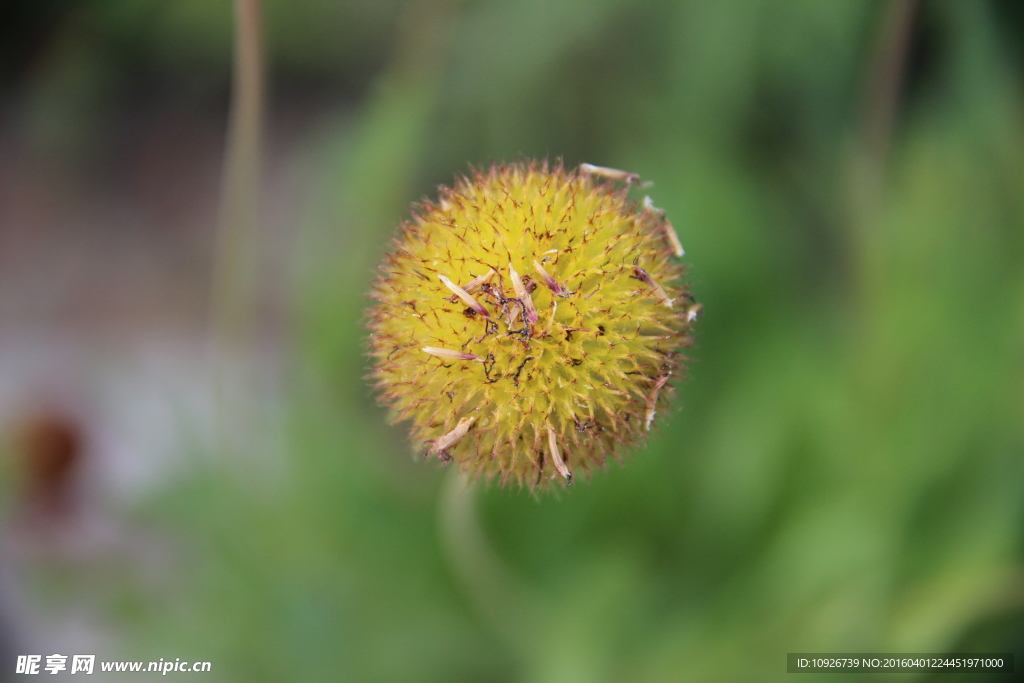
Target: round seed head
<point>529,323</point>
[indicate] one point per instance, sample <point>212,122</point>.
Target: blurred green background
<point>844,469</point>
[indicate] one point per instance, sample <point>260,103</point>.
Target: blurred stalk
<point>867,168</point>
<point>236,255</point>
<point>512,610</point>
<point>880,103</point>
<point>886,77</point>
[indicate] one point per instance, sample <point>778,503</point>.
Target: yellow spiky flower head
<point>528,323</point>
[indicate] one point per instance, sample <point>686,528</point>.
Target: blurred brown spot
<point>49,453</point>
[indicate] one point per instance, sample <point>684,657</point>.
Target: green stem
<point>498,594</point>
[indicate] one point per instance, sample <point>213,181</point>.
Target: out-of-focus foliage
<point>845,469</point>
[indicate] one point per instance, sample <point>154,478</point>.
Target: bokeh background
<point>844,468</point>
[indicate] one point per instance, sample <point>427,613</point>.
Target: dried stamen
<point>551,321</point>
<point>475,283</point>
<point>659,292</point>
<point>670,232</point>
<point>693,312</point>
<point>550,281</point>
<point>613,174</point>
<point>673,239</point>
<point>468,298</point>
<point>449,354</point>
<point>557,457</point>
<point>523,295</point>
<point>445,442</point>
<point>652,400</point>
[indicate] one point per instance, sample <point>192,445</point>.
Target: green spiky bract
<point>516,396</point>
